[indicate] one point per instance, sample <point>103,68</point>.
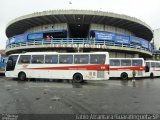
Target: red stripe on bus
<point>128,68</point>
<point>84,67</point>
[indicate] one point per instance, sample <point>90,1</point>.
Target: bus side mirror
<point>147,68</point>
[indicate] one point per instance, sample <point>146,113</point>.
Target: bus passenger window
<point>153,64</point>
<point>157,65</point>
<point>66,59</point>
<point>114,62</point>
<point>136,62</point>
<point>81,59</point>
<point>97,59</point>
<point>24,59</point>
<point>51,59</point>
<point>125,62</point>
<point>38,59</point>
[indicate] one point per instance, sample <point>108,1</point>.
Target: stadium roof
<point>23,23</point>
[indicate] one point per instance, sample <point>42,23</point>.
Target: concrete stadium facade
<point>79,26</point>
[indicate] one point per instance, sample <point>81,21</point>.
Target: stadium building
<point>156,38</point>
<point>79,31</point>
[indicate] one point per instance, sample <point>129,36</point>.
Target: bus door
<point>147,67</point>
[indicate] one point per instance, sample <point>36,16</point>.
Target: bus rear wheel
<point>78,78</point>
<point>124,76</point>
<point>22,76</point>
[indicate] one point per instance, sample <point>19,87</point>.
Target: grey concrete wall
<point>122,55</point>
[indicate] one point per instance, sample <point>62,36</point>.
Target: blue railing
<point>75,41</point>
<point>156,51</point>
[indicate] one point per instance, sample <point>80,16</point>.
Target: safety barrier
<point>76,41</point>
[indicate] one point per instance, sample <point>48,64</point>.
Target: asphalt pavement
<point>61,97</point>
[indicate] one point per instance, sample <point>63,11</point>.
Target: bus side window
<point>97,59</point>
<point>81,59</point>
<point>136,62</point>
<point>47,61</point>
<point>125,62</point>
<point>157,65</point>
<point>153,64</point>
<point>51,59</point>
<point>66,59</point>
<point>24,59</point>
<point>38,59</point>
<point>114,62</point>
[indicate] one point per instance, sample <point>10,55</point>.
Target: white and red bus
<point>124,67</point>
<point>153,68</point>
<point>53,65</point>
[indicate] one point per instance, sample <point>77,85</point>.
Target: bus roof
<point>152,61</point>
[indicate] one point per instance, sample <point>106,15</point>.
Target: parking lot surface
<point>61,97</point>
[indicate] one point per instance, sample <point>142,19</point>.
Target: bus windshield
<point>11,63</point>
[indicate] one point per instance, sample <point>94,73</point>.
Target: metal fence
<point>76,41</point>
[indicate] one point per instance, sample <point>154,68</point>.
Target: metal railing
<point>76,41</point>
<point>156,51</point>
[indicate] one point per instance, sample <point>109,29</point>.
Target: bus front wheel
<point>78,78</point>
<point>22,76</point>
<point>124,76</point>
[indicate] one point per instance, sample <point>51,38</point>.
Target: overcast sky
<point>145,10</point>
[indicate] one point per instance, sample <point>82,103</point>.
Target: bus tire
<point>22,76</point>
<point>78,78</point>
<point>124,76</point>
<point>151,75</point>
